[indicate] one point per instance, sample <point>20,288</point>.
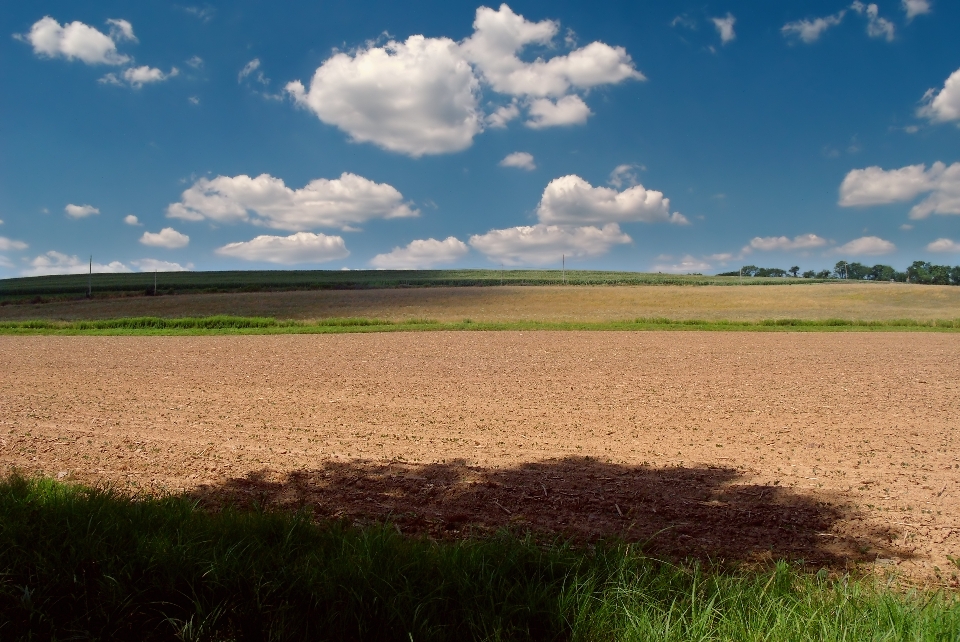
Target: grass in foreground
<point>268,325</point>
<point>81,563</point>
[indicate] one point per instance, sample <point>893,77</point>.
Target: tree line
<point>918,272</point>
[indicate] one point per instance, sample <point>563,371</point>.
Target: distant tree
<point>809,274</point>
<point>823,274</point>
<point>793,270</point>
<point>749,270</point>
<point>840,269</point>
<point>857,271</point>
<point>955,275</point>
<point>771,272</point>
<point>881,272</point>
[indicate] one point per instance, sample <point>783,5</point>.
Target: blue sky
<point>636,136</point>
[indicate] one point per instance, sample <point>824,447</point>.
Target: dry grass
<point>862,301</point>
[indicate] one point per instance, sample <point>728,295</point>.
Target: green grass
<point>95,564</point>
<point>268,325</point>
<point>75,285</point>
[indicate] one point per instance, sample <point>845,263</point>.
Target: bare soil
<point>838,449</point>
<point>864,301</point>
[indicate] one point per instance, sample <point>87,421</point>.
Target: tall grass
<point>81,563</point>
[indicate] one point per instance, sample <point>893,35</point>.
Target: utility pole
<point>741,276</point>
<point>90,279</point>
<point>563,268</point>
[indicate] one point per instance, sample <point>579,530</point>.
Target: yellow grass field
<point>857,301</point>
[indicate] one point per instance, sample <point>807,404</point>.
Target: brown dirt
<point>840,449</point>
<point>548,303</point>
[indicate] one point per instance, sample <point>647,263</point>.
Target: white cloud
<point>915,8</point>
<point>121,30</point>
<point>251,67</point>
<point>156,265</point>
<point>76,41</point>
<point>569,110</point>
<point>687,265</point>
<point>570,200</point>
<point>523,160</point>
<point>503,115</point>
<point>421,96</point>
<point>194,100</point>
<point>57,263</point>
<point>499,35</point>
<point>196,62</point>
<point>167,237</point>
<point>415,97</point>
<point>137,77</point>
<point>783,243</point>
<point>131,219</point>
<point>624,175</point>
<point>810,30</point>
<point>302,247</point>
<point>944,105</point>
<point>342,203</point>
<point>541,244</point>
<point>877,27</point>
<point>940,245</point>
<point>725,28</point>
<point>9,244</point>
<point>866,246</point>
<point>875,186</point>
<point>80,211</point>
<point>422,254</point>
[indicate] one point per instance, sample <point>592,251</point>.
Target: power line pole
<point>90,279</point>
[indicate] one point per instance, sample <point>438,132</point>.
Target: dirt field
<point>582,303</point>
<point>839,449</point>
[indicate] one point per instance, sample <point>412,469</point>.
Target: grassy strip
<point>80,563</point>
<point>268,325</point>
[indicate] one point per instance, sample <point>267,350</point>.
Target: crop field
<point>554,304</point>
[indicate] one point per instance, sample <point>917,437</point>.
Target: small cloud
<point>940,245</point>
<point>687,265</point>
<point>906,227</point>
<point>725,28</point>
<point>302,247</point>
<point>915,8</point>
<point>193,100</point>
<point>44,210</point>
<point>121,30</point>
<point>204,13</point>
<point>911,129</point>
<point>196,62</point>
<point>569,110</point>
<point>137,77</point>
<point>521,160</point>
<point>783,243</point>
<point>54,262</point>
<point>503,115</point>
<point>156,265</point>
<point>809,31</point>
<point>720,196</point>
<point>131,219</point>
<point>683,20</point>
<point>167,237</point>
<point>624,175</point>
<point>866,246</point>
<point>421,254</point>
<point>253,67</point>
<point>9,244</point>
<point>80,211</point>
<point>877,27</point>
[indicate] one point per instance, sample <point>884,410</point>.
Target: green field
<point>95,564</point>
<point>75,285</point>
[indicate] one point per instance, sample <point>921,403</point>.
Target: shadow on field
<point>678,512</point>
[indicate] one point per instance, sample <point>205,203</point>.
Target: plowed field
<point>839,449</point>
